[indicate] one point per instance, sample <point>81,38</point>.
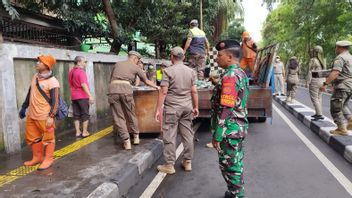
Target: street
<point>277,164</point>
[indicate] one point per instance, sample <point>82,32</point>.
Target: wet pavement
<point>63,138</point>
<point>76,174</point>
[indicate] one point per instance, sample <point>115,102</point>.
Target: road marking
<point>340,177</point>
<point>25,170</point>
<point>155,183</point>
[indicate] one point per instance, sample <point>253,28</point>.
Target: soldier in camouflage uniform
<point>229,122</point>
<point>341,79</point>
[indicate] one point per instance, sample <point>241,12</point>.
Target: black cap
<point>225,44</point>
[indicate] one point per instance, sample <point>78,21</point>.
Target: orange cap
<point>48,60</point>
<point>245,34</point>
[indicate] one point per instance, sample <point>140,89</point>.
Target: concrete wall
<point>101,88</point>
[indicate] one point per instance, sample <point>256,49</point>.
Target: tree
<point>299,25</point>
<point>116,44</point>
<point>162,22</point>
<point>234,31</point>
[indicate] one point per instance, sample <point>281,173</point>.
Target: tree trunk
<point>162,49</point>
<point>157,49</point>
<point>116,44</point>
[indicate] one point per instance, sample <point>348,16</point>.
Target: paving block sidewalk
<point>341,144</point>
<point>99,169</point>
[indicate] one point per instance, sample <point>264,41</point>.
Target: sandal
<point>84,136</point>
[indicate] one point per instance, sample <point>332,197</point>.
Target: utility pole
<point>201,14</point>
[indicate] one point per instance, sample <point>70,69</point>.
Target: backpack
<point>62,111</point>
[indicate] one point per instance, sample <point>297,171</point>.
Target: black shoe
<point>228,194</point>
<point>318,117</point>
<point>282,95</point>
<point>313,116</point>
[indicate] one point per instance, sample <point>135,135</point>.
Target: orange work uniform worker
<point>249,52</point>
<point>40,124</point>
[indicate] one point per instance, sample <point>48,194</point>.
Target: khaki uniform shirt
<point>125,71</point>
<point>292,75</point>
<point>278,68</point>
<point>315,65</point>
<point>179,79</point>
<point>343,64</point>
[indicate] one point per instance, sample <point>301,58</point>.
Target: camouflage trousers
<point>231,165</point>
<point>340,112</point>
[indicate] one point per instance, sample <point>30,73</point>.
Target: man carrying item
<point>229,122</point>
<point>40,132</point>
<point>80,95</point>
<point>121,97</point>
<point>198,47</point>
<point>279,71</point>
<point>249,52</point>
<point>341,79</point>
<point>179,95</point>
<point>316,64</point>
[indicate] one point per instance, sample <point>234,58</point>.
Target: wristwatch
<point>325,83</point>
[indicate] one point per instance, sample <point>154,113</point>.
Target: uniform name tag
<point>228,92</point>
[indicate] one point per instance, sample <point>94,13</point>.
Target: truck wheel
<point>261,119</point>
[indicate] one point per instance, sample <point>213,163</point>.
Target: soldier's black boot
<point>318,117</point>
<point>229,194</point>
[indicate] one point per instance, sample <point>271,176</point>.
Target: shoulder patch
<point>228,95</point>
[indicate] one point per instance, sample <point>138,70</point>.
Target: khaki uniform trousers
<point>316,95</point>
<point>279,84</point>
<point>177,120</point>
<point>123,109</point>
<point>339,109</point>
<point>197,63</point>
<point>291,90</point>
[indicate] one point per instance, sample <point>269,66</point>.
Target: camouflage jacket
<point>229,105</point>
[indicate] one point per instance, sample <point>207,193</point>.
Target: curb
<point>123,180</point>
<point>341,144</point>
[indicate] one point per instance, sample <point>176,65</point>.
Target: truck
<point>259,103</point>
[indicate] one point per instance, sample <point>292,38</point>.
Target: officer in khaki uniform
<point>179,95</point>
<point>121,97</point>
<point>293,70</point>
<point>279,71</point>
<point>341,79</point>
<point>316,64</point>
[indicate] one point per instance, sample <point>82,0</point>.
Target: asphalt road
<point>277,165</point>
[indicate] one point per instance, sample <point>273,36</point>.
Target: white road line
<point>340,177</point>
<point>153,186</point>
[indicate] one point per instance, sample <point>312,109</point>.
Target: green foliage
<point>299,25</point>
<point>234,31</point>
<point>163,22</point>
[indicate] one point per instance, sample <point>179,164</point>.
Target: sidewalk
<point>341,144</point>
<point>92,166</point>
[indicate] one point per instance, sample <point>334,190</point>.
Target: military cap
<point>177,51</point>
<point>194,22</point>
<point>225,44</point>
<point>343,43</point>
<point>135,53</point>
